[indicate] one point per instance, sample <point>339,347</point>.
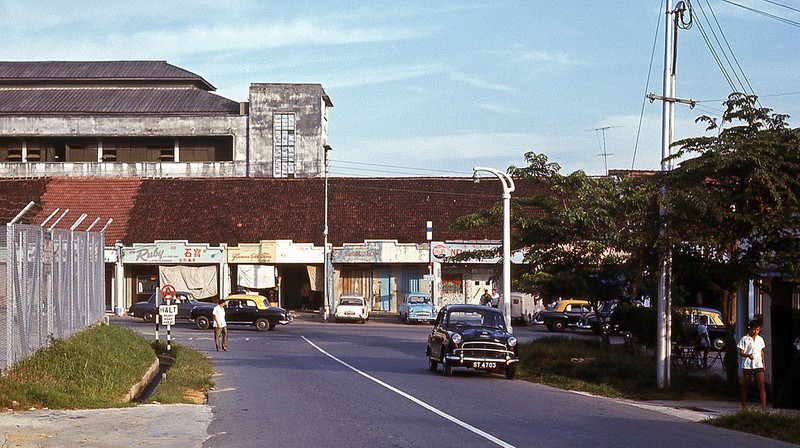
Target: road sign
<point>168,319</point>
<point>166,310</point>
<point>167,292</point>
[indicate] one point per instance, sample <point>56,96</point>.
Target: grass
<point>93,369</point>
<point>187,379</point>
<point>613,371</point>
<point>608,370</point>
<point>775,425</point>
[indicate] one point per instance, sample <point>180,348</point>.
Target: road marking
<point>419,402</point>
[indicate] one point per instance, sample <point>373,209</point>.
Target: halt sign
<point>168,313</point>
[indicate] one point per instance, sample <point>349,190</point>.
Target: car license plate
<point>484,365</point>
<point>349,313</point>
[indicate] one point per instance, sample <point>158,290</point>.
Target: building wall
<point>100,126</point>
<point>309,104</point>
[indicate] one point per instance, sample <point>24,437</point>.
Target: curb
<point>139,387</point>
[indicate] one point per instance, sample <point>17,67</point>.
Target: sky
<point>435,88</point>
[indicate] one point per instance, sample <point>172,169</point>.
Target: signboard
<point>168,310</point>
<point>171,252</point>
<point>443,251</point>
<point>429,277</point>
<point>167,319</point>
<point>168,292</point>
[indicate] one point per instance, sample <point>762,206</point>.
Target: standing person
<point>220,326</point>
<point>703,342</point>
<point>751,350</point>
<point>495,298</point>
<point>486,298</point>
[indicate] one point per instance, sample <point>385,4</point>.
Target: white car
<point>351,307</point>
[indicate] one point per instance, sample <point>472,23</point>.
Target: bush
<point>642,324</point>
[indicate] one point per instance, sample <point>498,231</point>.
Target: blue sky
<point>429,88</point>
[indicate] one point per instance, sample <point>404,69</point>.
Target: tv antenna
<point>601,131</point>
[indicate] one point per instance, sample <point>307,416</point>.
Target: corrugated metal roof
<point>114,100</point>
<point>97,71</point>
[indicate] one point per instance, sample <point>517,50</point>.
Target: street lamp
<point>508,187</point>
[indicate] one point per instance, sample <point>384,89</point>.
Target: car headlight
<point>456,338</point>
<point>512,341</point>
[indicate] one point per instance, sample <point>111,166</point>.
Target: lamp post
<point>508,187</point>
<point>326,305</point>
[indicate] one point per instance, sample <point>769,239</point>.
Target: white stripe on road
<point>458,422</point>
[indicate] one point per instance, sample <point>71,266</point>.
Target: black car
<point>245,309</point>
<point>148,309</point>
<point>605,310</point>
<point>472,336</point>
<point>564,313</point>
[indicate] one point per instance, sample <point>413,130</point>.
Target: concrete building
<point>152,119</point>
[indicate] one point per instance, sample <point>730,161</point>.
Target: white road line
<point>419,402</point>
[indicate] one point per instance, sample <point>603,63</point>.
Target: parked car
<point>606,309</point>
<point>351,307</point>
<point>712,318</point>
<point>565,313</point>
<point>416,307</point>
<point>147,309</point>
<point>245,309</point>
<point>474,337</point>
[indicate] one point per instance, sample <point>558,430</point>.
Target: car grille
<point>483,349</point>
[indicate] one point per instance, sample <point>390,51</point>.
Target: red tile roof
<point>97,197</point>
<point>242,210</point>
<point>16,194</point>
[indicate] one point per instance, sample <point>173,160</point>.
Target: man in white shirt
<point>220,326</point>
<point>751,350</point>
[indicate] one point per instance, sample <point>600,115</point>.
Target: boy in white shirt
<point>751,350</point>
<point>220,326</point>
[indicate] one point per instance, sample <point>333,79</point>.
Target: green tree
<point>732,205</point>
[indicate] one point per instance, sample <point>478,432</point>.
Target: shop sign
<point>358,253</point>
<point>253,253</point>
<point>171,252</point>
<point>442,251</point>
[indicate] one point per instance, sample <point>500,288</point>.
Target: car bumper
<point>469,361</point>
<point>414,318</point>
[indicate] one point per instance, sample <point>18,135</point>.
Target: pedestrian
<point>751,350</point>
<point>220,326</point>
<point>495,298</point>
<point>703,341</point>
<point>486,298</point>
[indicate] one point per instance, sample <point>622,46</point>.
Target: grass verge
<point>95,368</point>
<point>775,425</point>
<point>187,379</point>
<point>610,371</point>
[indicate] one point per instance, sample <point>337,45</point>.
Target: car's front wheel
<point>262,324</point>
<point>447,369</point>
<point>432,365</point>
<point>511,372</point>
<point>149,316</point>
<point>559,325</point>
<point>719,343</point>
<point>202,323</point>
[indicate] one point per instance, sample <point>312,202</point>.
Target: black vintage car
<point>245,309</point>
<point>148,309</point>
<point>472,336</point>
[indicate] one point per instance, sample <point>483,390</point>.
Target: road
<point>315,384</point>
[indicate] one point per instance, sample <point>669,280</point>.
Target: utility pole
<point>664,325</point>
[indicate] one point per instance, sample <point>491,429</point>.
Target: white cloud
<point>479,83</point>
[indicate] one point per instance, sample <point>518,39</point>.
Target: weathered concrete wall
<point>309,103</point>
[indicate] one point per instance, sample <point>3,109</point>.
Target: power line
<point>765,14</point>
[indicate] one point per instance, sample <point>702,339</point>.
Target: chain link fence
<point>52,285</point>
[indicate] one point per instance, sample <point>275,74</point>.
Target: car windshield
<point>482,319</point>
<point>419,299</point>
<point>351,301</point>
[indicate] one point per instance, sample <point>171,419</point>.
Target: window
<point>146,284</point>
<point>284,138</point>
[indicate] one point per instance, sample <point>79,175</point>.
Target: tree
<point>732,207</point>
<point>582,235</point>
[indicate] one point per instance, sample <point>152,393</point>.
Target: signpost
<point>167,313</point>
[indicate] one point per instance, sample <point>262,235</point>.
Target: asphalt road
<point>313,384</point>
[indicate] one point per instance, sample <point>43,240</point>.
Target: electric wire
<point>647,86</point>
<point>764,13</point>
<point>782,5</point>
